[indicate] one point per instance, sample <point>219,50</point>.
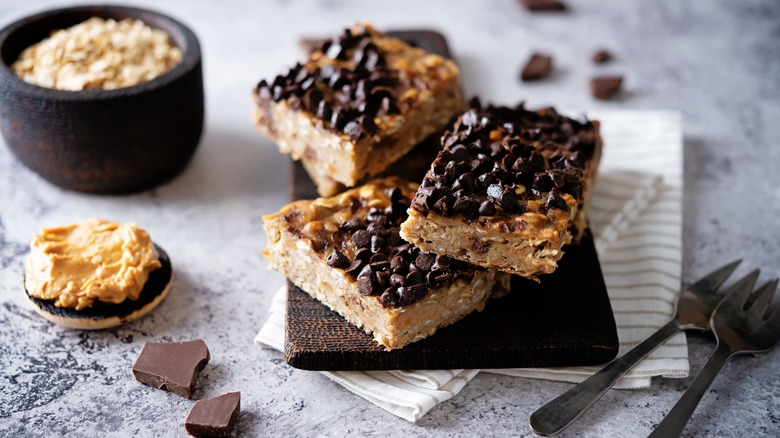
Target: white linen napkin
<point>636,218</point>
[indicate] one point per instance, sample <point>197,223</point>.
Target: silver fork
<point>742,323</point>
<point>693,309</point>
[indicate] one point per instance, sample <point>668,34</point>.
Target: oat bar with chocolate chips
<point>356,105</point>
<point>508,190</point>
<point>346,252</point>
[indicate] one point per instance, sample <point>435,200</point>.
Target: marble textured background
<point>716,61</point>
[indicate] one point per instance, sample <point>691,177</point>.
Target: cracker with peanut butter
<point>95,274</point>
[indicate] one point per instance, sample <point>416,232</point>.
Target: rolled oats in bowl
<point>98,54</point>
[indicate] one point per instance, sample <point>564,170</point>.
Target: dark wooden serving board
<point>566,320</point>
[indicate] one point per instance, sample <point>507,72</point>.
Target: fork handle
<point>675,421</point>
<point>558,413</point>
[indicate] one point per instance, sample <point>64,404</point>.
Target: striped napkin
<point>636,218</point>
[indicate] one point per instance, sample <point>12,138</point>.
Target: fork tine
<point>741,289</point>
<point>759,301</point>
<point>712,281</point>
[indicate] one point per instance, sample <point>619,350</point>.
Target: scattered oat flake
<point>98,54</point>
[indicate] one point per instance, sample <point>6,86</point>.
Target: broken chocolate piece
<point>544,5</point>
<point>214,416</point>
<point>171,366</point>
<point>601,56</point>
<point>604,87</point>
<point>537,67</point>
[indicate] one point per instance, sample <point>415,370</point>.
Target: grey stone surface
<point>716,61</point>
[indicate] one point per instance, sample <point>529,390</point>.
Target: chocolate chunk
<point>171,366</point>
<point>601,56</point>
<point>309,45</point>
<point>365,285</point>
<point>214,416</point>
<point>604,87</point>
<point>337,260</point>
<point>537,67</point>
<point>361,238</point>
<point>424,261</point>
<point>544,5</point>
<point>355,267</point>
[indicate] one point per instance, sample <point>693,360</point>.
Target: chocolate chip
<point>337,260</point>
<point>508,200</point>
<point>398,263</point>
<point>408,295</point>
<point>365,285</point>
<point>601,56</point>
<point>389,298</point>
<point>604,87</point>
<point>554,200</point>
<point>486,208</point>
<point>442,262</point>
<point>351,225</point>
<point>544,5</point>
<point>365,272</point>
<point>466,207</point>
<point>469,118</point>
<point>382,279</point>
<point>459,153</point>
<point>537,67</point>
<point>443,206</point>
<point>424,261</point>
<point>377,243</point>
<point>363,254</point>
<point>361,238</point>
<point>542,182</point>
<point>414,277</point>
<point>378,258</point>
<point>397,280</point>
<point>367,124</point>
<point>354,268</point>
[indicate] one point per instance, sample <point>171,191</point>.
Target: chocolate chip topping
<point>384,265</point>
<point>346,94</point>
<point>496,159</point>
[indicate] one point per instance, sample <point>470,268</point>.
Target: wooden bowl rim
<point>181,35</point>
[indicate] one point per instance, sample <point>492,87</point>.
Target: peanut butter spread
<point>91,260</point>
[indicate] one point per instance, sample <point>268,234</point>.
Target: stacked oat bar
<point>506,192</point>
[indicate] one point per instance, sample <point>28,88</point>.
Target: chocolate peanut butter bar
<point>346,252</point>
<point>508,189</point>
<point>356,105</point>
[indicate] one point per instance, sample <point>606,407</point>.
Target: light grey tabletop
<point>716,61</point>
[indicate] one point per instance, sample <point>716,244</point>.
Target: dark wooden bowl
<point>102,141</point>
